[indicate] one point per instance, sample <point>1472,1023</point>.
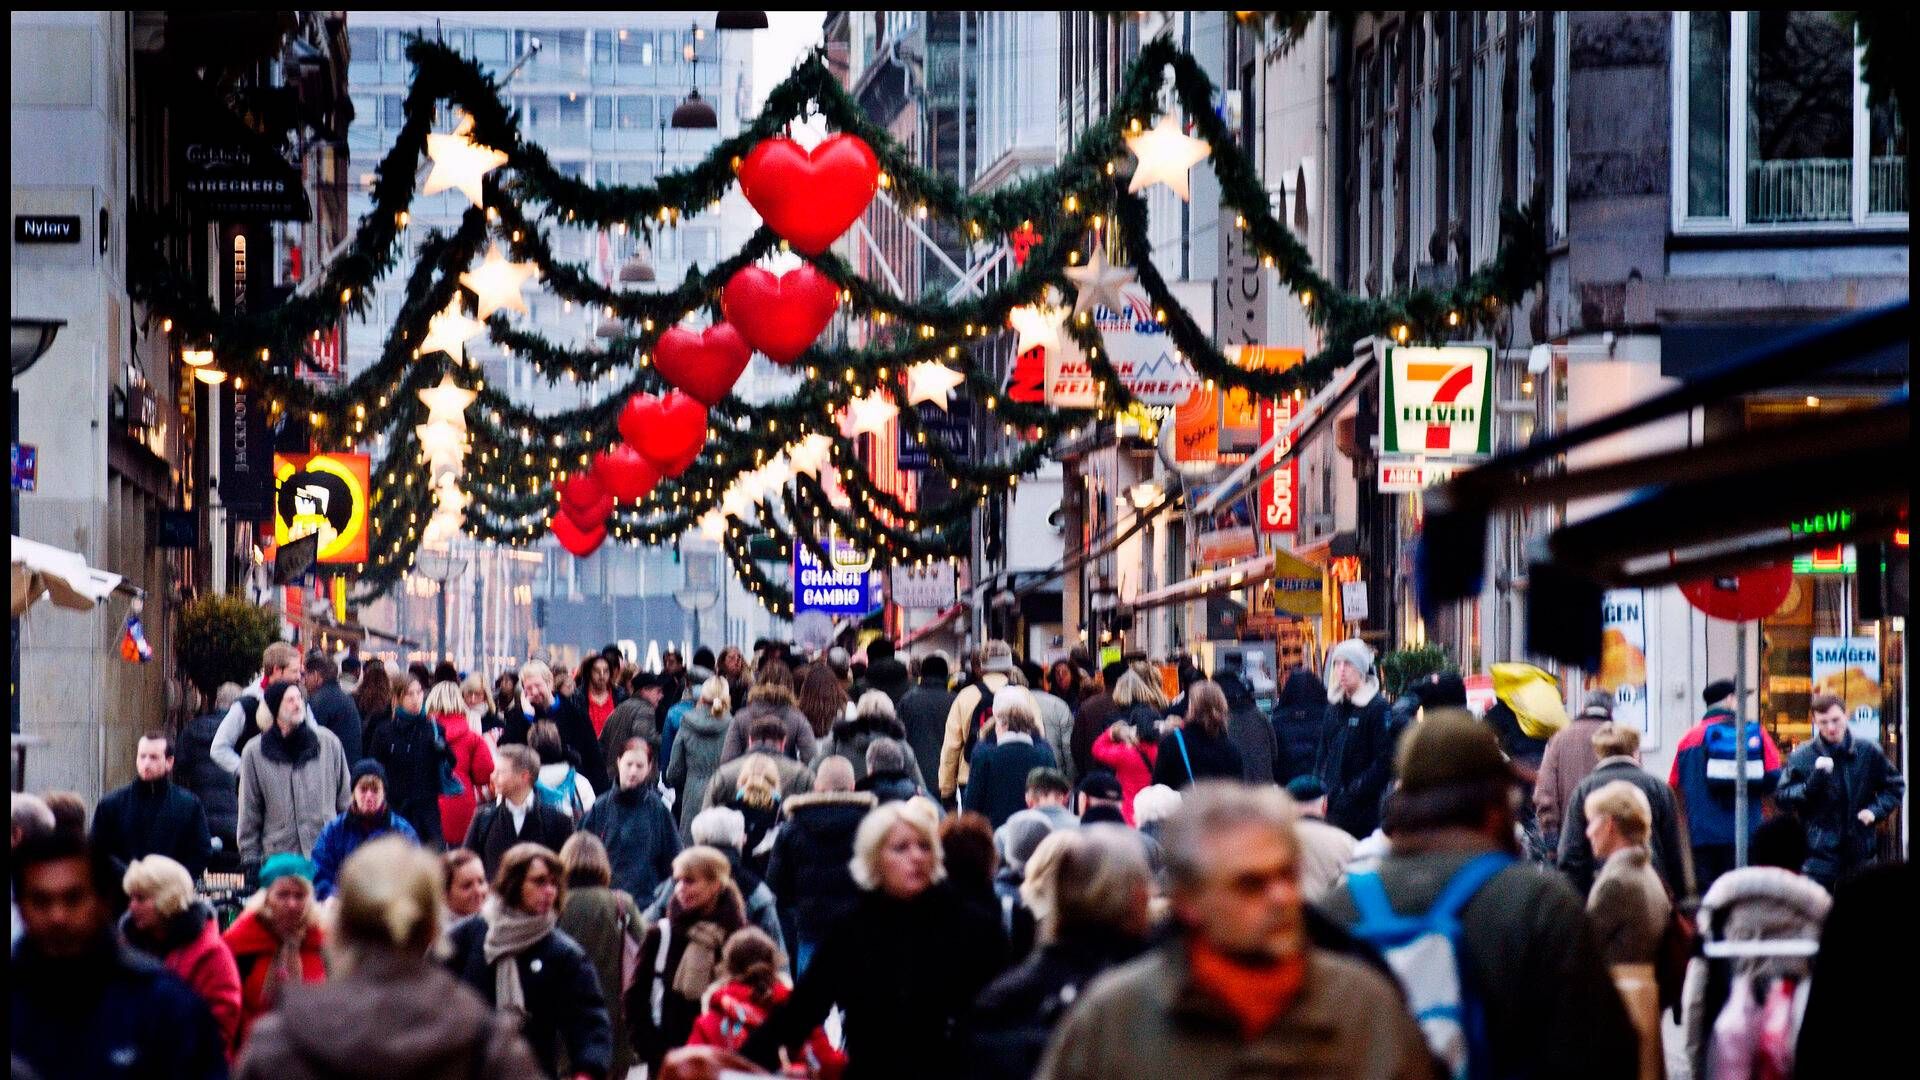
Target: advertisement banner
<point>1239,409</point>
<point>924,588</point>
<point>952,426</point>
<point>1224,536</point>
<point>1297,585</point>
<point>1849,669</point>
<point>1279,508</point>
<point>325,494</point>
<point>1138,347</point>
<point>246,454</point>
<point>1196,428</point>
<point>1623,656</point>
<point>1437,401</point>
<point>844,588</point>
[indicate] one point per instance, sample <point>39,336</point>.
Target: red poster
<point>1279,492</point>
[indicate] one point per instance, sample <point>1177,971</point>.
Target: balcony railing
<point>1887,185</point>
<point>1808,189</point>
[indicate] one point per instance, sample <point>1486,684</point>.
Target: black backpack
<point>249,726</point>
<point>977,723</point>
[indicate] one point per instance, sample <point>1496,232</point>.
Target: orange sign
<point>1196,428</point>
<point>325,494</point>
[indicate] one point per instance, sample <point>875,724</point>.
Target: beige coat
<point>1568,759</point>
<point>954,765</point>
<point>1325,851</point>
<point>1628,908</point>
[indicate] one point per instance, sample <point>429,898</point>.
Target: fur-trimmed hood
<point>1766,902</point>
<point>829,798</point>
<point>1360,655</point>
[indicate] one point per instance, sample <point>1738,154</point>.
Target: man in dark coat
<point>330,704</point>
<point>1297,716</point>
<point>639,832</point>
<point>519,815</point>
<point>997,778</point>
<point>1355,759</point>
<point>1618,747</point>
<point>923,711</point>
<point>153,815</point>
<point>1092,718</point>
<point>83,1004</point>
<point>538,702</point>
<point>216,788</point>
<point>1841,788</point>
<point>809,872</point>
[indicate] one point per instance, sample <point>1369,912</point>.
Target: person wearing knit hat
<point>294,779</point>
<point>1704,777</point>
<point>1548,1002</point>
<point>1568,759</point>
<point>278,940</point>
<point>1357,735</point>
<point>369,818</point>
<point>286,864</point>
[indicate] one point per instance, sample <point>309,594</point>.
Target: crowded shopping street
<point>960,545</point>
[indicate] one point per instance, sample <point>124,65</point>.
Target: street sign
<point>26,466</point>
<point>1743,597</point>
<point>924,588</point>
<point>46,228</point>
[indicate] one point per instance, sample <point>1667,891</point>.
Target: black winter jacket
<point>576,734</point>
<point>337,713</point>
<point>808,871</point>
<point>564,1006</point>
<point>1355,762</point>
<point>1829,803</point>
<point>997,778</point>
<point>1007,1033</point>
<point>113,1012</point>
<point>1213,757</point>
<point>923,712</point>
<point>1297,718</point>
<point>410,748</point>
<point>217,789</point>
<point>640,835</point>
<point>491,833</point>
<point>160,818</point>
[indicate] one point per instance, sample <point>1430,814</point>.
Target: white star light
<point>811,454</point>
<point>498,283</point>
<point>459,162</point>
<point>447,403</point>
<point>1099,282</point>
<point>735,503</point>
<point>1166,153</point>
<point>449,331</point>
<point>932,381</point>
<point>1037,326</point>
<point>871,413</point>
<point>776,473</point>
<point>713,526</point>
<point>442,443</point>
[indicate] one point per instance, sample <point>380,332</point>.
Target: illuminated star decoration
<point>449,331</point>
<point>713,526</point>
<point>443,444</point>
<point>1037,326</point>
<point>447,403</point>
<point>1166,153</point>
<point>932,381</point>
<point>810,454</point>
<point>735,503</point>
<point>871,413</point>
<point>1099,282</point>
<point>459,162</point>
<point>498,282</point>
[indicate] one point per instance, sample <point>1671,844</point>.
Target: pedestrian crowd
<point>874,867</point>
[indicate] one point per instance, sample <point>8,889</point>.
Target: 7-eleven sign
<point>1437,401</point>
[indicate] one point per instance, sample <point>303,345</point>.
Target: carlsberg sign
<point>1437,402</point>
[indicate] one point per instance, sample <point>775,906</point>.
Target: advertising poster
<point>1849,669</point>
<point>1196,428</point>
<point>1279,490</point>
<point>325,494</point>
<point>1623,655</point>
<point>1226,535</point>
<point>1140,350</point>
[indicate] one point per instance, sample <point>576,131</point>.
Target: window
<point>490,46</point>
<point>363,45</point>
<point>396,47</point>
<point>603,112</point>
<point>573,111</point>
<point>1774,118</point>
<point>1489,88</point>
<point>603,47</point>
<point>636,113</point>
<point>669,47</point>
<point>1557,224</point>
<point>393,113</point>
<point>635,46</point>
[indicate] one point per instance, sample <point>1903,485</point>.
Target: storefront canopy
<point>1297,584</point>
<point>64,576</point>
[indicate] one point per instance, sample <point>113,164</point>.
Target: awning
<point>1296,584</point>
<point>42,569</point>
<point>945,617</point>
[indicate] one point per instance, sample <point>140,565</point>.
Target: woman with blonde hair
<point>900,1017</point>
<point>757,796</point>
<point>1131,744</point>
<point>697,748</point>
<point>873,718</point>
<point>168,922</point>
<point>680,955</point>
<point>607,924</point>
<point>277,941</point>
<point>471,768</point>
<point>387,924</point>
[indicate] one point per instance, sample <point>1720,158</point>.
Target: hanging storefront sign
<point>1623,656</point>
<point>1353,600</point>
<point>224,168</point>
<point>1196,429</point>
<point>1279,490</point>
<point>1226,535</point>
<point>951,426</point>
<point>1297,585</point>
<point>1413,474</point>
<point>844,588</point>
<point>924,588</point>
<point>1138,347</point>
<point>1436,413</point>
<point>1849,669</point>
<point>325,494</point>
<point>246,454</point>
<point>1239,409</point>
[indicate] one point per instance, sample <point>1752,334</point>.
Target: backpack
<point>1425,954</point>
<point>565,797</point>
<point>249,727</point>
<point>982,716</point>
<point>1722,770</point>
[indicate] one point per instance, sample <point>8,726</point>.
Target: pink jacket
<point>207,965</point>
<point>1134,770</point>
<point>473,764</point>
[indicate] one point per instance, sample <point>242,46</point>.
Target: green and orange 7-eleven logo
<point>1437,401</point>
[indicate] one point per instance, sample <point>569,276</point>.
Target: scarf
<point>707,935</point>
<point>1255,996</point>
<point>286,966</point>
<point>511,932</point>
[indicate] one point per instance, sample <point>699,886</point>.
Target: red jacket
<point>254,947</point>
<point>731,1016</point>
<point>206,964</point>
<point>473,764</point>
<point>1134,770</point>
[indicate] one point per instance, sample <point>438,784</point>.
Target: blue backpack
<point>1425,954</point>
<point>1721,743</point>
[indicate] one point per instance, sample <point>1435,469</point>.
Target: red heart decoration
<point>704,365</point>
<point>669,431</point>
<point>580,540</point>
<point>781,316</point>
<point>583,499</point>
<point>626,475</point>
<point>810,198</point>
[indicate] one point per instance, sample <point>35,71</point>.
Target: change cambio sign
<point>845,587</point>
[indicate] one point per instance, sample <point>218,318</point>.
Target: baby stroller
<point>1744,996</point>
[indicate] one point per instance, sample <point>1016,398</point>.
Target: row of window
<point>639,47</point>
<point>540,112</point>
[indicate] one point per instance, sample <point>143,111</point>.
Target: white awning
<point>41,569</point>
<point>1225,579</point>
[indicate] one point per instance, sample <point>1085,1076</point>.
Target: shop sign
<point>1623,655</point>
<point>845,587</point>
<point>1226,535</point>
<point>26,466</point>
<point>325,494</point>
<point>1480,695</point>
<point>1353,601</point>
<point>924,588</point>
<point>1839,559</point>
<point>46,228</point>
<point>1140,350</point>
<point>1196,429</point>
<point>1297,585</point>
<point>1437,401</point>
<point>1849,669</point>
<point>952,427</point>
<point>1409,474</point>
<point>1279,490</point>
<point>246,454</point>
<point>323,359</point>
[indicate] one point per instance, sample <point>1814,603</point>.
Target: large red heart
<point>704,365</point>
<point>781,316</point>
<point>585,500</point>
<point>669,431</point>
<point>626,475</point>
<point>580,540</point>
<point>810,198</point>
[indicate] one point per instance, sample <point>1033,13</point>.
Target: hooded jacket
<point>697,752</point>
<point>1829,802</point>
<point>189,945</point>
<point>640,835</point>
<point>808,872</point>
<point>1754,903</point>
<point>472,766</point>
<point>1297,717</point>
<point>290,787</point>
<point>393,1015</point>
<point>1357,742</point>
<point>955,767</point>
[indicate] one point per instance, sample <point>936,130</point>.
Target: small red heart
<point>581,541</point>
<point>810,198</point>
<point>705,365</point>
<point>669,431</point>
<point>585,500</point>
<point>781,316</point>
<point>626,475</point>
